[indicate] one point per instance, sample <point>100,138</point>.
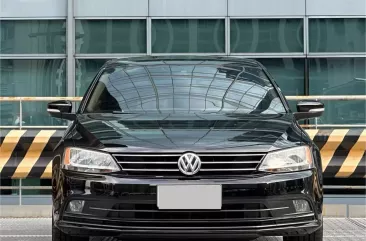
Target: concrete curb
<point>26,211</point>
<point>44,211</point>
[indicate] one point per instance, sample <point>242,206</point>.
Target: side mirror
<point>309,109</point>
<point>61,109</point>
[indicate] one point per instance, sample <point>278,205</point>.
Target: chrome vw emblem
<point>189,164</point>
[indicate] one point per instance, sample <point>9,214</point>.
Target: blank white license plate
<point>189,197</point>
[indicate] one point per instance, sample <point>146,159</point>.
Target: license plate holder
<point>189,197</point>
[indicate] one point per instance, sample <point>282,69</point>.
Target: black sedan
<point>193,147</point>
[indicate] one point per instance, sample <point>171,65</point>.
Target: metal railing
<point>21,100</point>
<point>20,189</point>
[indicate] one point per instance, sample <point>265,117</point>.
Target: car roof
<point>185,60</point>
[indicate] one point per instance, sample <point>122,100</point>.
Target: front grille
<point>151,212</point>
<point>167,164</point>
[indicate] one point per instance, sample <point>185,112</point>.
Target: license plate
<point>189,197</point>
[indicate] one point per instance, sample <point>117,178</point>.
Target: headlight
<point>82,160</point>
<point>288,160</point>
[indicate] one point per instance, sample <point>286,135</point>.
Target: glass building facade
<point>308,52</point>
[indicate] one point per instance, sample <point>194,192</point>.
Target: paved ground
<point>39,229</point>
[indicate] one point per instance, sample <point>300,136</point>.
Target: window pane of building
<point>339,76</point>
<point>32,36</point>
<point>37,182</point>
<point>8,183</point>
<point>188,35</point>
<point>266,35</point>
<point>288,74</point>
<point>30,197</point>
<point>110,36</point>
<point>30,78</point>
<point>86,70</point>
<point>337,35</point>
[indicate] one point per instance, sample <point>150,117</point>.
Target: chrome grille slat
<point>148,155</point>
<point>213,154</point>
<point>151,170</point>
<point>156,164</point>
<point>192,211</point>
<point>178,155</point>
<point>299,216</point>
<point>272,226</point>
<point>229,169</point>
<point>176,170</point>
<point>229,162</point>
<point>152,163</point>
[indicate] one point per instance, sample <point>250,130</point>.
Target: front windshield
<point>184,88</point>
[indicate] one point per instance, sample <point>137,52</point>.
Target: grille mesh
<point>166,164</point>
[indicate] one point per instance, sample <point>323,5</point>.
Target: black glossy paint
<point>179,133</point>
<point>174,132</point>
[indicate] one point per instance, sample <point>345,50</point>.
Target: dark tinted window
<point>266,35</point>
<point>170,88</point>
<point>339,76</point>
<point>188,36</point>
<point>32,36</point>
<point>337,35</point>
<point>111,36</point>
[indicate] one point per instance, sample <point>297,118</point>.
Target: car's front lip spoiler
<point>77,228</point>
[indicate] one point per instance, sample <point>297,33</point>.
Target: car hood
<point>185,132</point>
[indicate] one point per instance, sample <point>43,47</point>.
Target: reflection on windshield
<point>188,88</point>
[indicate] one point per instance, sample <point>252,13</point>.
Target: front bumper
<point>251,206</point>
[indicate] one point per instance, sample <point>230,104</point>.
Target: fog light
<point>301,206</point>
<point>76,206</point>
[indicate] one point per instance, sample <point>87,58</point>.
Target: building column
<point>70,43</point>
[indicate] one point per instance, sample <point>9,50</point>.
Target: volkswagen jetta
<point>186,147</point>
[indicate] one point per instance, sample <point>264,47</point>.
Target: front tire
<point>316,236</point>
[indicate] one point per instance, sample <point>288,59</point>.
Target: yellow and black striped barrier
<point>28,153</point>
<point>342,150</point>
